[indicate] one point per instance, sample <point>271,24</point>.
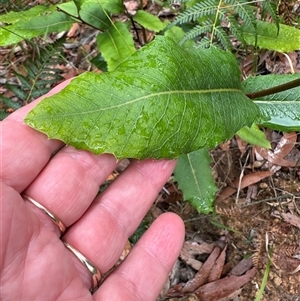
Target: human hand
<point>35,264</point>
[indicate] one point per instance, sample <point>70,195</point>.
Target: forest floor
<point>256,227</point>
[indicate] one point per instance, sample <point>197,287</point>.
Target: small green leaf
<point>194,176</point>
<point>288,38</point>
<point>46,21</point>
<point>116,44</point>
<point>149,21</point>
<point>254,136</point>
<point>161,102</point>
<point>279,111</point>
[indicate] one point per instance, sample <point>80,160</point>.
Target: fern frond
<point>196,31</point>
<point>216,13</point>
<point>41,73</point>
<point>270,7</point>
<point>204,43</point>
<point>7,105</point>
<point>235,29</point>
<point>205,8</point>
<point>245,11</point>
<point>17,91</point>
<point>24,81</point>
<point>222,36</point>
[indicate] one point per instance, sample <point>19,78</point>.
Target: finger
<point>24,151</point>
<point>102,232</point>
<point>143,273</point>
<point>70,182</point>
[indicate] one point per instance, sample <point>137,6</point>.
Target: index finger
<point>24,151</point>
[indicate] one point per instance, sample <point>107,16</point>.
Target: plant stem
<point>289,85</point>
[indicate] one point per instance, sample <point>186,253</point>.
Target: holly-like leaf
<point>279,111</point>
<point>194,177</point>
<point>161,102</point>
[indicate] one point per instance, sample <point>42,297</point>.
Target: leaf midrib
<point>148,96</point>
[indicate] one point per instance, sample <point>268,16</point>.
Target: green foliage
<point>37,21</point>
<point>7,104</point>
<point>279,111</point>
<point>194,177</point>
<point>41,73</point>
<point>148,21</point>
<point>164,100</point>
<point>213,19</point>
<point>116,44</point>
<point>207,16</point>
<point>148,107</point>
<point>254,136</point>
<point>115,40</point>
<point>268,37</point>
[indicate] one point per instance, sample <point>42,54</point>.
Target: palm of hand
<point>35,265</point>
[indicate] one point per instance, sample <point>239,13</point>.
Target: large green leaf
<point>161,102</point>
<point>268,37</point>
<point>194,177</point>
<point>33,23</point>
<point>280,111</point>
<point>116,44</point>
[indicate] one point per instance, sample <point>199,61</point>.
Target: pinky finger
<point>143,274</point>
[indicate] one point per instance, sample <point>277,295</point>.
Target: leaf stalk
<point>289,85</point>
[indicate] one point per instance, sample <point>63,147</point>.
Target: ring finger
<point>102,232</point>
<point>69,183</point>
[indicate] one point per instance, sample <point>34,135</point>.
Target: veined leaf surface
<point>279,111</point>
<point>194,176</point>
<point>161,102</point>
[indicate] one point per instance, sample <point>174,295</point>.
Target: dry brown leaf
<point>191,249</point>
<point>242,267</point>
<point>291,219</point>
<point>202,275</point>
<point>72,31</point>
<point>246,181</point>
<point>221,288</point>
<point>282,149</point>
<point>273,158</point>
<point>242,145</point>
<point>217,269</point>
<point>285,144</point>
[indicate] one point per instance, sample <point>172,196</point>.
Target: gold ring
<point>53,217</point>
<point>95,273</point>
